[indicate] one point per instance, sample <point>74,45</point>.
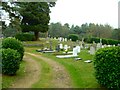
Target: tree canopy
<point>84,30</point>
<point>31,16</point>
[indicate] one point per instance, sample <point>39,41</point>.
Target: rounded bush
<point>107,67</point>
<point>13,44</point>
<point>10,61</point>
<point>73,37</point>
<point>25,37</point>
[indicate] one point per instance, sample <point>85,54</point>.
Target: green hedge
<point>25,37</point>
<point>73,37</point>
<point>13,44</point>
<point>107,67</point>
<point>10,61</point>
<point>104,41</point>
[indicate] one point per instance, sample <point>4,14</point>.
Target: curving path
<point>32,70</point>
<point>61,78</point>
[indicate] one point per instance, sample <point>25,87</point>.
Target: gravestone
<point>102,46</point>
<point>65,47</point>
<point>113,45</point>
<point>61,46</point>
<point>118,45</point>
<point>98,46</point>
<point>92,50</point>
<point>86,46</point>
<point>78,49</point>
<point>54,38</point>
<point>94,45</point>
<point>108,45</point>
<point>60,39</point>
<point>58,48</point>
<point>100,43</point>
<point>65,39</point>
<point>75,51</point>
<point>105,45</point>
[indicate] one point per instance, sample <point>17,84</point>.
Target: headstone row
<point>61,39</point>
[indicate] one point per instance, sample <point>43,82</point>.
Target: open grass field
<point>81,73</point>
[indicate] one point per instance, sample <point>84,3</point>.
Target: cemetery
<point>39,54</point>
<point>80,57</point>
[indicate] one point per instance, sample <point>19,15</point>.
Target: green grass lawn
<point>81,73</point>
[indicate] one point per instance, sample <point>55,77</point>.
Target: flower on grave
<point>66,51</point>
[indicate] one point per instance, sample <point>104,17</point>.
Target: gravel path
<point>32,74</point>
<point>61,78</point>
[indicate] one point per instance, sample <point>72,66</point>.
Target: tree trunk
<point>36,36</point>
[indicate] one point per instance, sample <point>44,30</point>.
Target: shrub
<point>10,61</point>
<point>91,39</point>
<point>13,44</point>
<point>25,37</point>
<point>107,67</point>
<point>73,37</point>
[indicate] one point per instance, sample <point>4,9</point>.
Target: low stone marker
<point>92,50</point>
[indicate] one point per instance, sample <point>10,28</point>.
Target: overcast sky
<point>78,12</point>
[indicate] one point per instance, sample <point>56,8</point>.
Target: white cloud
<point>81,11</point>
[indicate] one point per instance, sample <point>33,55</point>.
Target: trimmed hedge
<point>13,44</point>
<point>10,61</point>
<point>25,37</point>
<point>73,37</point>
<point>107,67</point>
<point>104,41</point>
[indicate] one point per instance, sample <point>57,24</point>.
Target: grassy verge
<point>81,73</point>
<point>7,81</point>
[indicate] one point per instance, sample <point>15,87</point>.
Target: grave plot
<point>75,51</point>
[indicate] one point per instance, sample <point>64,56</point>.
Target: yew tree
<point>35,17</point>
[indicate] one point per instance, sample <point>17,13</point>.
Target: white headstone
<point>75,51</point>
<point>54,38</point>
<point>78,49</point>
<point>105,45</point>
<point>113,45</point>
<point>102,46</point>
<point>60,39</point>
<point>98,46</point>
<point>92,50</point>
<point>109,45</point>
<point>65,39</point>
<point>65,47</point>
<point>61,46</point>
